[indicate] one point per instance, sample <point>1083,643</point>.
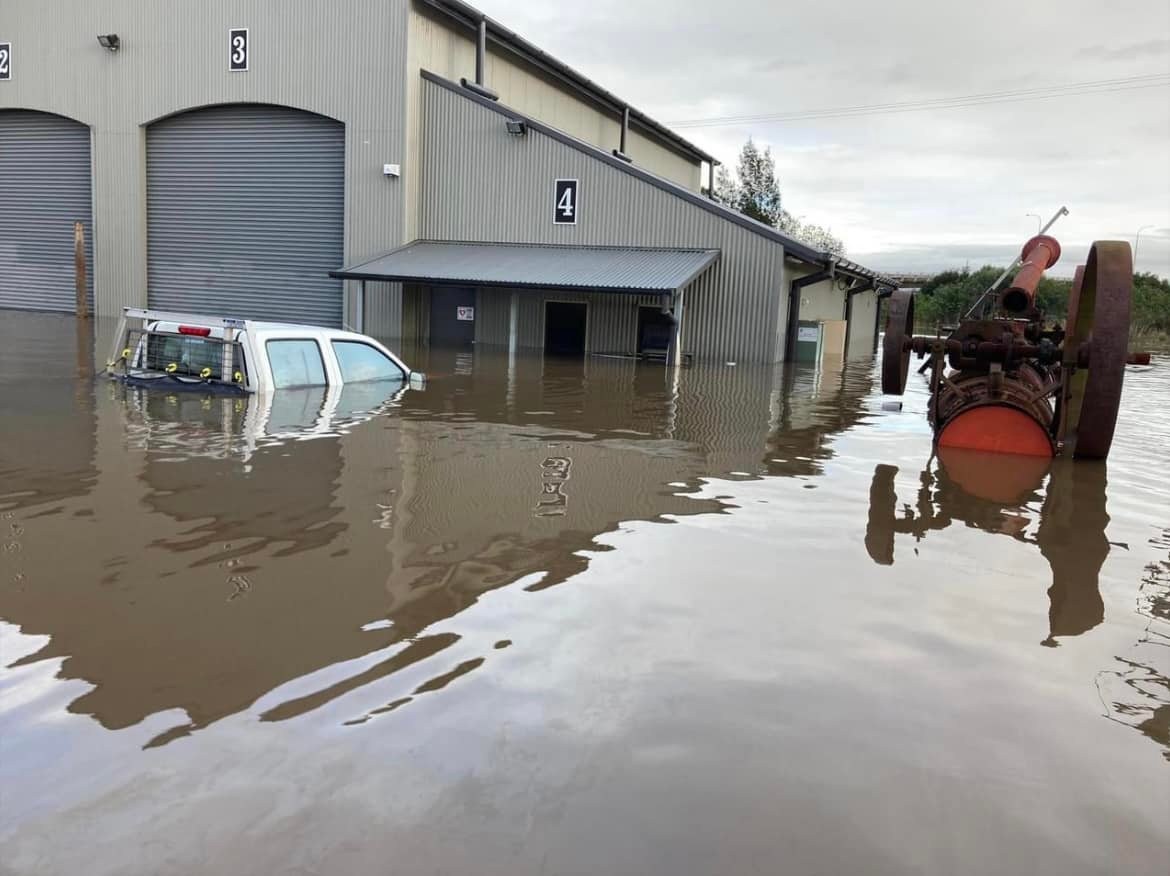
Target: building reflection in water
<point>999,494</point>
<point>325,538</point>
<point>47,399</point>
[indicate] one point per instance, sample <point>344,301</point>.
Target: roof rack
<point>202,319</point>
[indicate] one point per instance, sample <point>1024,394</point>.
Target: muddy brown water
<point>569,618</point>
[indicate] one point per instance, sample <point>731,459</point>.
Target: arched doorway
<point>44,189</point>
<point>245,213</point>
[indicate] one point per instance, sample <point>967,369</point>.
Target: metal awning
<point>517,266</point>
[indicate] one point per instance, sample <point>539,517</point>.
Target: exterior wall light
<point>516,127</point>
<point>109,41</point>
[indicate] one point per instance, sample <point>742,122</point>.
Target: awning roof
<point>579,268</point>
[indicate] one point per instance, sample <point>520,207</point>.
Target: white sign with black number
<point>465,314</point>
<point>565,202</point>
<point>5,60</point>
<point>238,49</point>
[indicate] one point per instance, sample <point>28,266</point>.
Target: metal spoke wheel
<point>899,329</point>
<point>1099,320</point>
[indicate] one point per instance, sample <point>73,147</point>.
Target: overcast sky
<point>913,190</point>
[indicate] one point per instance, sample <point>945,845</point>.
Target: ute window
<point>360,362</point>
<point>184,355</point>
<point>296,363</point>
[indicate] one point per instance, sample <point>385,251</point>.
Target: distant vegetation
<point>946,297</point>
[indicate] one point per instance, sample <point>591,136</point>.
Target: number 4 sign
<point>565,202</point>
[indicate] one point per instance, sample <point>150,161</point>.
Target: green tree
<point>755,192</point>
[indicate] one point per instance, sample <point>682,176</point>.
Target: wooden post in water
<point>79,270</point>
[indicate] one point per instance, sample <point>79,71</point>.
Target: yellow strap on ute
<point>126,353</point>
<point>239,378</point>
<point>172,368</point>
<point>205,373</point>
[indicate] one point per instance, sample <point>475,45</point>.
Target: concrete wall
<point>174,57</point>
<point>485,185</point>
<point>861,331</point>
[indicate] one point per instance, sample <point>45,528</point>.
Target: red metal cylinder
<point>1040,253</point>
<point>999,413</point>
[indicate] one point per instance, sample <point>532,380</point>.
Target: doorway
<point>654,331</point>
<point>564,328</point>
<point>452,316</point>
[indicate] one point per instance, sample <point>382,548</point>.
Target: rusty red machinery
<point>1008,381</point>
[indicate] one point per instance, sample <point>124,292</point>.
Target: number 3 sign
<point>238,49</point>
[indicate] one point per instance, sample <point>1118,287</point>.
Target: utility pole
<point>1137,239</point>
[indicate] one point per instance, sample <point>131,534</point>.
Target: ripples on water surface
<point>568,619</point>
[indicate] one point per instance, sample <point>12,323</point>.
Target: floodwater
<point>569,619</point>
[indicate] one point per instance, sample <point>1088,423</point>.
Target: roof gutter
<point>471,18</point>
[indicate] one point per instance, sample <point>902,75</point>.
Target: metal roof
<point>499,34</point>
<point>581,268</point>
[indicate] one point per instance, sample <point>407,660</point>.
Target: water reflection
<point>1002,495</point>
<point>1136,692</point>
<point>1068,524</point>
<point>278,538</point>
<point>45,375</point>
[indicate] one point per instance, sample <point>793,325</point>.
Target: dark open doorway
<point>452,316</point>
<point>564,328</point>
<point>654,331</point>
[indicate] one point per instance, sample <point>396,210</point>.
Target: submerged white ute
<point>201,352</point>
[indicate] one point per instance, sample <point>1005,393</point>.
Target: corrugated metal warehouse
<point>410,168</point>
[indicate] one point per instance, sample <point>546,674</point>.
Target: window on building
<point>296,362</point>
<point>360,362</point>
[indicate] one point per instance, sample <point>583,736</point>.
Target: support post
<point>513,323</point>
<point>674,349</point>
<point>360,316</point>
<point>625,130</point>
<point>79,276</point>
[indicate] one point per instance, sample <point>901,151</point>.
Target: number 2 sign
<point>238,49</point>
<point>565,202</point>
<point>5,60</point>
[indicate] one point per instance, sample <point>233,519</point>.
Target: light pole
<point>1039,220</point>
<point>1136,239</point>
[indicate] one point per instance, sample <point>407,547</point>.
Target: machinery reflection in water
<point>999,495</point>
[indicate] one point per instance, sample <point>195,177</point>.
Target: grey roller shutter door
<point>44,189</point>
<point>245,213</point>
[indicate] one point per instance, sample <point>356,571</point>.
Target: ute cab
<point>191,351</point>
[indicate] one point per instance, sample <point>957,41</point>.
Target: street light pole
<point>1137,239</point>
<point>1039,220</point>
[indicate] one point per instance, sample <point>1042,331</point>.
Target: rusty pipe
<point>1040,254</point>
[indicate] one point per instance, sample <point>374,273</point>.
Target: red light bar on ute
<point>194,330</point>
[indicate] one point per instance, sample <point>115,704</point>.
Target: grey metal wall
<point>482,184</point>
<point>44,189</point>
<point>611,322</point>
<point>245,212</point>
<point>345,61</point>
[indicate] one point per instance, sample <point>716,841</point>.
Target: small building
<point>410,168</point>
